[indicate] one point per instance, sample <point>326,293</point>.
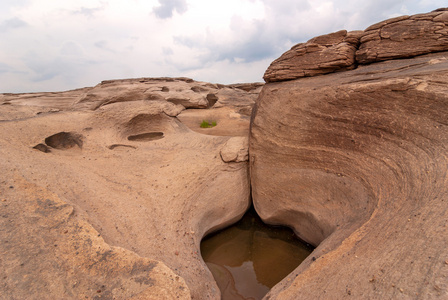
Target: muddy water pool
<point>248,258</point>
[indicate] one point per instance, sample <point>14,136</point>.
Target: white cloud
<point>55,45</point>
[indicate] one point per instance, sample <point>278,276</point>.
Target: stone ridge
<point>320,55</point>
<point>401,37</point>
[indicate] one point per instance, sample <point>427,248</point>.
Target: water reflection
<point>250,257</point>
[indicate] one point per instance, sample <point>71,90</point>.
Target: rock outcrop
<point>401,37</point>
<point>405,36</point>
<point>108,194</point>
<point>356,162</point>
<point>320,55</point>
<point>49,252</point>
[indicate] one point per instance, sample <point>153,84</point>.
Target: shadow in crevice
<point>248,258</point>
<point>147,136</point>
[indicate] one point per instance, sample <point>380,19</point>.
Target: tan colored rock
<point>230,121</point>
<point>239,96</point>
<point>405,36</point>
<point>49,252</point>
<point>179,91</point>
<point>356,163</point>
<point>236,149</point>
<point>150,187</point>
<point>174,90</point>
<point>25,105</point>
<point>321,55</point>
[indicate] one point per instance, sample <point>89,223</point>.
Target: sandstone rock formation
<point>356,162</point>
<point>320,55</point>
<point>401,37</point>
<point>106,193</point>
<point>405,36</point>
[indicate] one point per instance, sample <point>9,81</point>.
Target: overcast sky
<point>54,45</point>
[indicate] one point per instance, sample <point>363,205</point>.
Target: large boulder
<point>401,37</point>
<point>405,36</point>
<point>320,55</point>
<point>356,163</point>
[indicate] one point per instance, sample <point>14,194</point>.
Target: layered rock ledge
<point>356,162</point>
<point>401,37</point>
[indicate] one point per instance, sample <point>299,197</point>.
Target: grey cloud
<point>6,5</point>
<point>104,45</point>
<point>287,23</point>
<point>71,49</point>
<point>88,12</point>
<point>101,44</point>
<point>4,68</point>
<point>253,40</point>
<point>167,51</point>
<point>45,67</point>
<point>246,46</point>
<point>167,8</point>
<point>10,24</point>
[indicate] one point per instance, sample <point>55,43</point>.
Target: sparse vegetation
<point>208,124</point>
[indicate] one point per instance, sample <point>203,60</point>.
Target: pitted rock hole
<point>64,140</point>
<point>42,147</point>
<point>147,136</point>
<point>212,99</point>
<point>114,146</point>
<point>248,258</point>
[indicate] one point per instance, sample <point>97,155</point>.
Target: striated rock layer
<point>356,163</point>
<point>106,193</point>
<point>400,37</point>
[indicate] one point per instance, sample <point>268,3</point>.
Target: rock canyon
<point>107,191</point>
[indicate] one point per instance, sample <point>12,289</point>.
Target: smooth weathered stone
<point>357,163</point>
<point>236,149</point>
<point>320,55</point>
<point>179,91</point>
<point>404,37</point>
<point>146,187</point>
<point>48,251</point>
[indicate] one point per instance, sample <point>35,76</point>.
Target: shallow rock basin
<point>248,258</point>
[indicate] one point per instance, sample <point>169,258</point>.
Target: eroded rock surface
<point>400,37</point>
<point>180,91</point>
<point>47,251</point>
<point>405,36</point>
<point>112,193</point>
<point>356,162</point>
<point>320,55</point>
<point>236,149</point>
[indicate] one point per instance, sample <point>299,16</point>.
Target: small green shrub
<point>207,124</point>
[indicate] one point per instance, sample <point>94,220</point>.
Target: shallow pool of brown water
<point>248,258</point>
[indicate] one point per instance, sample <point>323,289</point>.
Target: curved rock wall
<point>356,163</point>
